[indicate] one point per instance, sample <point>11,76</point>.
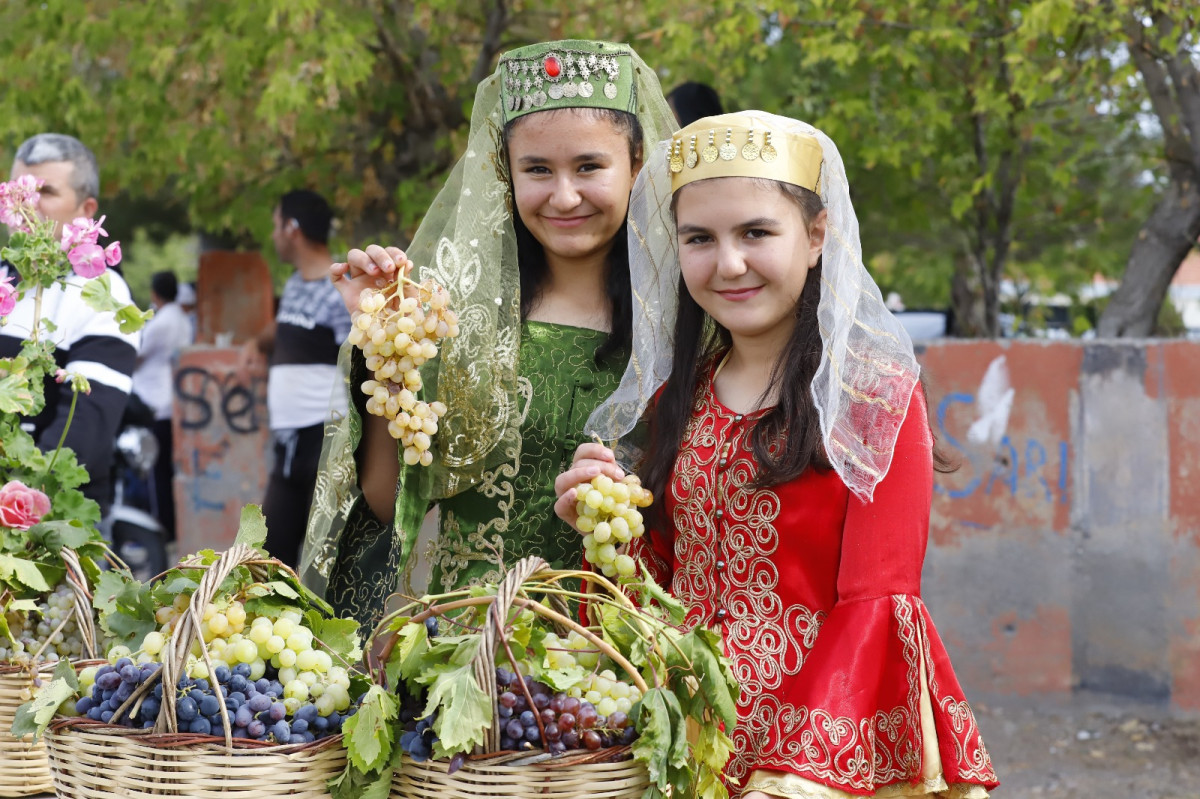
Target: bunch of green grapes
<point>51,628</point>
<point>398,328</point>
<point>574,650</point>
<point>607,693</point>
<point>609,518</point>
<point>281,648</point>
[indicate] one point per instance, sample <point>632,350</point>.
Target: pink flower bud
<point>112,253</point>
<point>21,507</point>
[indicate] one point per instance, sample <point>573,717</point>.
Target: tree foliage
<point>984,139</point>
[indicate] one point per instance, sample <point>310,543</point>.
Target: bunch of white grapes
<point>398,328</point>
<point>53,621</point>
<point>574,650</point>
<point>609,518</point>
<point>606,693</point>
<point>233,637</point>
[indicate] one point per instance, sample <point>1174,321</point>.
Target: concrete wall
<point>1065,550</point>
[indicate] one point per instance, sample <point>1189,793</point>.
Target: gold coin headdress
<point>866,378</point>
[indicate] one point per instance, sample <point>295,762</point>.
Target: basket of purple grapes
<point>232,685</point>
<point>538,687</point>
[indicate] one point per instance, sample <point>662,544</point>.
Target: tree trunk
<point>1162,244</point>
<point>1162,54</point>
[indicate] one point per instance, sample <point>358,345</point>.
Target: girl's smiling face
<point>745,250</point>
<point>572,173</point>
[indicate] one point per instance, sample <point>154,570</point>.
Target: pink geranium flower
<point>21,507</point>
<point>82,231</point>
<point>18,202</point>
<point>112,253</point>
<point>8,296</point>
<point>87,260</point>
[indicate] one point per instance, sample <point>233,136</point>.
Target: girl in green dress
<point>544,304</point>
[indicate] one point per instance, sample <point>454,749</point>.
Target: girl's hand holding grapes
<point>372,268</point>
<point>591,460</point>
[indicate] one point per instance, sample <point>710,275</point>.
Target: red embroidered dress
<point>818,597</point>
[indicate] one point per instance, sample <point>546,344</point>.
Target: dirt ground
<point>1091,748</point>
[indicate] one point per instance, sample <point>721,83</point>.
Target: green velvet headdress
<point>567,74</point>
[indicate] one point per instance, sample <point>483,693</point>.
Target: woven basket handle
<point>493,633</point>
<point>84,615</point>
<point>175,652</point>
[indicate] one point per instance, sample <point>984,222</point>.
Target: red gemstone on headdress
<point>553,68</point>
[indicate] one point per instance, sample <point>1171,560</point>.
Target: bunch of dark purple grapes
<point>115,684</point>
<point>567,722</point>
<point>256,708</point>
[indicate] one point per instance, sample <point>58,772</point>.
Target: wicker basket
<point>92,760</point>
<point>604,774</point>
<point>24,770</point>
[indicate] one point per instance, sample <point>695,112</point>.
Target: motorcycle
<point>135,534</point>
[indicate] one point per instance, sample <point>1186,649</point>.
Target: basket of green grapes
<point>551,684</point>
<point>234,680</point>
<point>40,628</point>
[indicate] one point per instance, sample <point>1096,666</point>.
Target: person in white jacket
<point>153,382</point>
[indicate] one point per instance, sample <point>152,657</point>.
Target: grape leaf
<point>23,571</point>
<point>465,712</point>
<point>354,784</point>
<point>338,636</point>
<point>698,653</point>
<point>283,589</point>
<point>662,737</point>
<point>407,659</point>
<point>68,533</point>
<point>368,734</point>
<point>651,591</point>
<point>34,716</point>
<point>126,607</point>
<point>252,530</point>
<point>711,752</point>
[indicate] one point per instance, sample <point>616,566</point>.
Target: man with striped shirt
<point>302,379</point>
<point>87,342</point>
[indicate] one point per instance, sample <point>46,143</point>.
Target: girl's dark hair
<point>531,256</point>
<point>786,439</point>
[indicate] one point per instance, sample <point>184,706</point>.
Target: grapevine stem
<point>537,714</point>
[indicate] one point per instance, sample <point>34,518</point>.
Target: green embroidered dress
<point>509,514</point>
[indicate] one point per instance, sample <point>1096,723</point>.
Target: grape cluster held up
<point>609,518</point>
<point>398,329</point>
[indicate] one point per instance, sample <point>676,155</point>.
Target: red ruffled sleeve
<point>851,717</point>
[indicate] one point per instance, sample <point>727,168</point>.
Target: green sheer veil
<point>466,242</point>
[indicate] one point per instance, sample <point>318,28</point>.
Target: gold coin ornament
<point>750,149</point>
<point>710,152</point>
<point>693,157</point>
<point>728,151</point>
<point>768,152</point>
<point>676,163</point>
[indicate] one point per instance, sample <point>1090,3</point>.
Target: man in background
<point>88,342</point>
<point>302,350</point>
<point>153,382</point>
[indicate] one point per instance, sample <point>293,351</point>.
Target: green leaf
<point>338,636</point>
<point>651,591</point>
<point>368,733</point>
<point>407,659</point>
<point>16,396</point>
<point>34,716</point>
<point>354,784</point>
<point>23,571</point>
<point>699,654</point>
<point>284,590</point>
<point>68,533</point>
<point>252,529</point>
<point>656,735</point>
<point>131,319</point>
<point>97,293</point>
<point>126,607</point>
<point>465,712</point>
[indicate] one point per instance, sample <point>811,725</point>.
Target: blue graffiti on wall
<point>1029,474</point>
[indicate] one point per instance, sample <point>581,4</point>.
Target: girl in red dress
<point>791,459</point>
